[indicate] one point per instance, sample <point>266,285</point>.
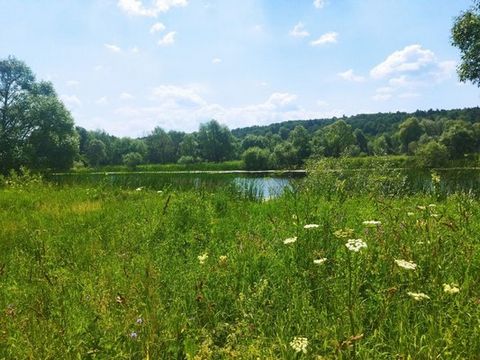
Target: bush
<point>432,154</point>
<point>187,160</point>
<point>256,158</point>
<point>132,160</point>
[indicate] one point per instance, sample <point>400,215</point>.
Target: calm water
<point>258,184</point>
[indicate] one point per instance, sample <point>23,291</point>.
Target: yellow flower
<point>202,258</point>
<point>418,296</point>
<point>299,344</point>
<point>451,288</point>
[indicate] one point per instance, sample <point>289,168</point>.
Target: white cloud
<point>319,4</point>
<point>135,50</point>
<point>350,76</point>
<point>137,8</point>
<point>216,61</point>
<point>126,96</point>
<point>184,107</point>
<point>409,95</point>
<point>412,58</point>
<point>71,100</point>
<point>168,39</point>
<point>113,48</point>
<point>328,38</point>
<point>382,97</point>
<point>157,27</point>
<point>73,83</point>
<point>299,31</point>
<point>102,101</point>
<point>98,68</point>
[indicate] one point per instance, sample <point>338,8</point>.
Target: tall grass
<point>108,272</point>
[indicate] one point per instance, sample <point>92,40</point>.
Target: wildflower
<point>436,178</point>
<point>299,344</point>
<point>319,261</point>
<point>311,226</point>
<point>139,321</point>
<point>139,189</point>
<point>421,207</point>
<point>159,191</point>
<point>372,223</point>
<point>432,205</point>
<point>355,245</point>
<point>451,289</point>
<point>410,213</point>
<point>290,240</point>
<point>222,259</point>
<point>406,264</point>
<point>418,296</point>
<point>343,233</point>
<point>133,335</point>
<point>202,258</point>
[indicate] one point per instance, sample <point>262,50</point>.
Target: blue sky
<point>126,66</point>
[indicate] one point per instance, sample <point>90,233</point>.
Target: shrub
<point>432,154</point>
<point>132,160</point>
<point>256,158</point>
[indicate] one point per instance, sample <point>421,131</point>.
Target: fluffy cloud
<point>216,61</point>
<point>113,48</point>
<point>102,101</point>
<point>71,100</point>
<point>157,27</point>
<point>126,96</point>
<point>137,8</point>
<point>168,39</point>
<point>412,58</point>
<point>319,4</point>
<point>350,76</point>
<point>328,38</point>
<point>299,31</point>
<point>184,107</point>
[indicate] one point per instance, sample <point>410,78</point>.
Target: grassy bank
<point>111,273</point>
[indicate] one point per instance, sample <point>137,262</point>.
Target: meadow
<point>342,265</point>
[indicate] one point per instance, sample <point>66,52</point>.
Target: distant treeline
<point>435,136</point>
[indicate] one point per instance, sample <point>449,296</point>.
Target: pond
<point>256,184</point>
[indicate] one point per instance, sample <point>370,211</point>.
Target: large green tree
<point>35,128</point>
<point>215,141</point>
<point>466,36</point>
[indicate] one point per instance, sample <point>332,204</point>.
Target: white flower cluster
<point>355,245</point>
<point>319,261</point>
<point>202,258</point>
<point>406,264</point>
<point>299,344</point>
<point>290,240</point>
<point>418,296</point>
<point>372,223</point>
<point>311,226</point>
<point>451,288</point>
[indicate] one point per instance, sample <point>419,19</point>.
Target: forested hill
<point>370,124</point>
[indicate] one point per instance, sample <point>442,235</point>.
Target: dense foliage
<point>36,129</point>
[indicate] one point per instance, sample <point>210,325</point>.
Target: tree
<point>466,36</point>
<point>301,141</point>
<point>35,128</point>
<point>189,146</point>
<point>409,131</point>
<point>96,153</point>
<point>432,154</point>
<point>160,147</point>
<point>332,140</point>
<point>215,142</point>
<point>132,160</point>
<point>256,158</point>
<point>459,138</point>
<point>285,155</point>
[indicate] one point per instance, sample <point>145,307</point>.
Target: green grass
<point>82,269</point>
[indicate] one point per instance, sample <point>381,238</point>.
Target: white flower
<point>139,189</point>
<point>432,205</point>
<point>311,226</point>
<point>319,261</point>
<point>355,245</point>
<point>421,207</point>
<point>451,288</point>
<point>202,258</point>
<point>406,264</point>
<point>290,240</point>
<point>410,213</point>
<point>222,259</point>
<point>372,223</point>
<point>299,344</point>
<point>418,296</point>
